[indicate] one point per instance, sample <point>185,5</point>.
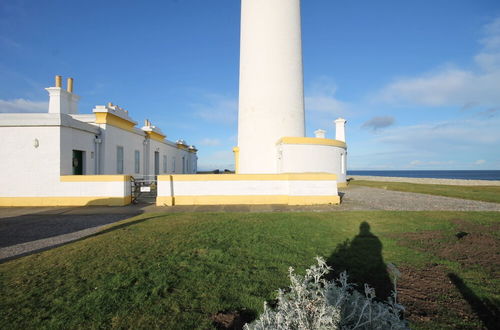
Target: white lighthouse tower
<point>271,124</point>
<point>271,100</point>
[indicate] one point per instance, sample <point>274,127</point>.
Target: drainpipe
<point>146,157</point>
<point>97,158</point>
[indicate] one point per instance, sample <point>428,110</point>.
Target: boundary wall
<point>220,189</point>
<point>73,190</point>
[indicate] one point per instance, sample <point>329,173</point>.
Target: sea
<point>452,174</point>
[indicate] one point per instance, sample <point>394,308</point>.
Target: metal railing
<point>144,189</point>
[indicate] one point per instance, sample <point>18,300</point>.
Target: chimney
<point>340,129</point>
<point>60,100</point>
<point>320,133</point>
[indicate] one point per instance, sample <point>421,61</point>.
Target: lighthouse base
<point>217,189</point>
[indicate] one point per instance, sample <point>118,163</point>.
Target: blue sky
<point>418,81</point>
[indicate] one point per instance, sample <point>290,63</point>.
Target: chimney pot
<point>69,85</point>
<point>58,81</point>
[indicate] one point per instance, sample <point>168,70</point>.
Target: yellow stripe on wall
<point>246,199</point>
<point>310,140</point>
<point>250,177</point>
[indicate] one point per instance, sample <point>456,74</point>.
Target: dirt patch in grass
<point>429,296</point>
<point>233,320</point>
<point>470,244</point>
<point>434,293</point>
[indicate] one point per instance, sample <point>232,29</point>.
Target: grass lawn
<point>479,193</point>
<point>176,271</point>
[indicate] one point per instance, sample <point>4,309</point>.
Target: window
<point>173,164</point>
<point>183,165</point>
<point>157,162</point>
<point>119,160</point>
<point>137,160</point>
<point>164,164</point>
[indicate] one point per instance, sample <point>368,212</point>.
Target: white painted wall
<point>253,187</point>
<point>112,137</point>
<point>173,154</point>
<point>74,139</point>
<point>271,96</point>
<point>29,171</point>
<point>310,158</point>
<point>25,169</point>
<point>97,189</point>
<point>56,188</point>
<point>168,186</point>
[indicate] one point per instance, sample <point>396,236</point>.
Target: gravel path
<point>367,198</point>
<point>18,250</point>
<point>28,230</point>
<point>454,182</point>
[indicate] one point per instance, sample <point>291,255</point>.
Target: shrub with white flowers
<point>315,303</point>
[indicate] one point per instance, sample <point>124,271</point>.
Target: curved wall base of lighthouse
<point>312,155</point>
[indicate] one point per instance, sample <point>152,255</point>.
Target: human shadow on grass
<point>362,258</point>
<point>487,310</point>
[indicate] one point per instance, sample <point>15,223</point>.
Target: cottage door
<point>77,162</point>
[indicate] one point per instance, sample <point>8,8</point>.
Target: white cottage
<point>66,158</point>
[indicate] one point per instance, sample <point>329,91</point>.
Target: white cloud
<point>447,144</point>
<point>23,106</point>
<point>444,145</point>
<point>321,98</point>
<point>217,108</point>
<point>209,142</point>
<point>492,35</point>
<point>453,86</point>
<point>415,163</point>
<point>325,103</point>
<point>445,135</point>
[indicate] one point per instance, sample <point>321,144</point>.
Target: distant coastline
<point>486,175</point>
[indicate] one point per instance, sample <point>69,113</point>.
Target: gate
<point>144,189</point>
